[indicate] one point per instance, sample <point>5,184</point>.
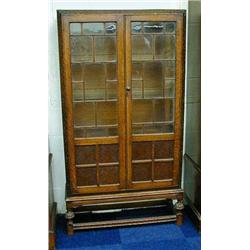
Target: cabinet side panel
<point>66,110</point>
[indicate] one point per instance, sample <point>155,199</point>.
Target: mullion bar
<point>81,29</point>
<point>101,126</point>
<point>152,165</point>
<point>164,79</point>
<point>151,123</point>
<point>105,73</point>
<point>143,67</point>
<point>93,48</point>
<point>99,100</point>
<point>153,47</point>
<point>153,103</point>
<point>83,83</point>
<point>97,165</point>
<point>95,104</point>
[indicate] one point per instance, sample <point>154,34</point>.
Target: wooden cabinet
<point>122,75</point>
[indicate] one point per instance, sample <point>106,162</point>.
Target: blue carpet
<point>165,236</point>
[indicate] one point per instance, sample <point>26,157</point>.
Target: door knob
<point>128,88</point>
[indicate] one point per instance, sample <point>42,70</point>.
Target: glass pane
<point>81,48</point>
<point>75,28</point>
<point>111,71</point>
<point>112,131</point>
<point>156,128</point>
<point>136,27</point>
<point>137,129</point>
<point>170,69</point>
<point>142,111</point>
<point>110,28</point>
<point>76,72</point>
<point>153,80</point>
<point>163,110</point>
<point>169,88</point>
<point>153,129</point>
<point>136,71</point>
<point>153,27</point>
<point>84,114</point>
<point>170,27</point>
<point>94,81</point>
<point>164,47</point>
<point>168,128</point>
<point>93,28</point>
<point>142,47</point>
<point>79,132</point>
<point>77,91</point>
<point>136,89</point>
<point>105,48</point>
<point>111,89</point>
<point>96,132</point>
<point>106,113</point>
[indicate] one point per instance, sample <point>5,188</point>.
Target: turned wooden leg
<point>69,216</point>
<point>179,206</point>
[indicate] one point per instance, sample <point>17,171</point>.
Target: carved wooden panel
<point>141,172</point>
<point>163,170</point>
<point>163,149</point>
<point>141,150</point>
<point>86,176</point>
<point>109,175</point>
<point>108,153</point>
<point>85,154</point>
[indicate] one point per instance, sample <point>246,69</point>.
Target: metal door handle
<point>128,88</point>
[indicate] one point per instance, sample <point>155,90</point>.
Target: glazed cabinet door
<point>94,101</point>
<point>154,76</point>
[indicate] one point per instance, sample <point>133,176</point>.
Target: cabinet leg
<point>179,206</point>
<point>69,216</point>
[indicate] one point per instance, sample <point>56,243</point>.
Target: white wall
<point>55,116</point>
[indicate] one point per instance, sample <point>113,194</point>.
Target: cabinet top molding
<point>127,12</point>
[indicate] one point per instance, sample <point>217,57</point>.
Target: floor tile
<point>167,236</point>
<point>105,247</point>
<point>88,238</point>
<point>194,242</point>
<point>150,232</point>
<point>175,244</point>
<point>188,229</point>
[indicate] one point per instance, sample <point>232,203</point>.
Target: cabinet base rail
<point>92,212</point>
<point>124,222</point>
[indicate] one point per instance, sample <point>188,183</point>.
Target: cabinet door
<point>154,75</point>
<point>94,101</point>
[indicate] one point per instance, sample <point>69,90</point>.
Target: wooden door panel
<point>154,78</point>
<point>94,101</point>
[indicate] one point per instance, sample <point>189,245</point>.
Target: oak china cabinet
<point>122,84</point>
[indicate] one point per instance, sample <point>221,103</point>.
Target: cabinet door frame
<point>70,142</point>
<point>179,90</point>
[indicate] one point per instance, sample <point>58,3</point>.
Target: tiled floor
<point>165,236</point>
